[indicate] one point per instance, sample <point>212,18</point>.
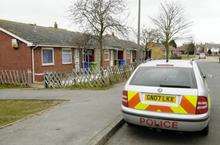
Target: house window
<point>48,56</point>
<point>67,56</point>
<point>106,55</point>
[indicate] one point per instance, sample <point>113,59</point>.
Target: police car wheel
<point>130,124</point>
<point>205,131</point>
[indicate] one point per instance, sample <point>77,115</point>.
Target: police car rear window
<point>172,77</point>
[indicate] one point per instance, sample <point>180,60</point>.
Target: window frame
<point>68,49</point>
<point>42,57</point>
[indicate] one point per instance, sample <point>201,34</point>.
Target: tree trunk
<point>167,47</point>
<point>101,52</point>
<point>167,51</point>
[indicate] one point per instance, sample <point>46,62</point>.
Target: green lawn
<point>10,86</point>
<point>13,110</point>
<point>188,58</point>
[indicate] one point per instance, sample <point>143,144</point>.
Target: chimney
<point>34,27</point>
<point>55,25</point>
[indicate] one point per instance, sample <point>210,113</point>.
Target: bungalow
<point>118,51</point>
<point>41,49</point>
<point>214,48</point>
<point>155,51</point>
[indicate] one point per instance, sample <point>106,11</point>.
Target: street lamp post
<point>139,30</point>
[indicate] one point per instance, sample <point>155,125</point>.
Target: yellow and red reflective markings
<point>187,105</point>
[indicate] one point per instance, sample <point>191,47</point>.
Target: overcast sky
<point>205,14</point>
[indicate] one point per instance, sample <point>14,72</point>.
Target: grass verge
<point>14,110</point>
<point>86,86</point>
<point>94,86</point>
<point>185,57</point>
<point>11,86</point>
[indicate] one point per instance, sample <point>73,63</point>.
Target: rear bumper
<point>190,123</point>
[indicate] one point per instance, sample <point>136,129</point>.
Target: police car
<point>167,95</point>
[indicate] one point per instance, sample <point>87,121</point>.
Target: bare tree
<point>171,23</point>
<point>149,35</point>
<point>99,17</point>
<point>190,49</point>
<point>84,40</point>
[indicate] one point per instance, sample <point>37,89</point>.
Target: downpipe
<point>33,63</point>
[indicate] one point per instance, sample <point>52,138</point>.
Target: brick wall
<point>11,58</point>
<point>105,63</point>
<point>57,67</point>
<point>128,56</point>
<point>21,58</point>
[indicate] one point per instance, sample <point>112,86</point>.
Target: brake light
<point>202,105</point>
<point>125,98</point>
<point>165,65</point>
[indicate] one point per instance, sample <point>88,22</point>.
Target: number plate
<point>160,98</point>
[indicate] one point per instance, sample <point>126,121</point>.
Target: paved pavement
<point>27,93</point>
<point>143,136</point>
<point>72,123</point>
<point>212,59</point>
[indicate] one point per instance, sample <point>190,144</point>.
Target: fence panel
<point>89,78</point>
<point>15,77</point>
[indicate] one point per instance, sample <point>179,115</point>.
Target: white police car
<point>168,95</point>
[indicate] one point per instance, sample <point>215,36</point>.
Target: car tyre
<point>130,124</point>
<point>205,131</point>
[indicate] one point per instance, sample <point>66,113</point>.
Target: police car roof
<point>171,63</point>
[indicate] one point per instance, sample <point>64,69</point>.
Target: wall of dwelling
<point>97,57</point>
<point>40,69</point>
<point>128,56</point>
<point>157,51</point>
<point>107,55</point>
<point>107,58</point>
<point>14,58</point>
<point>110,56</point>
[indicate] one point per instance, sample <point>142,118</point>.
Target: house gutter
<point>60,46</point>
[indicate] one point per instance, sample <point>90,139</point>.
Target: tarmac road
<point>128,135</point>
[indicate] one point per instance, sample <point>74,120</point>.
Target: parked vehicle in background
<point>171,96</point>
<point>202,56</point>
